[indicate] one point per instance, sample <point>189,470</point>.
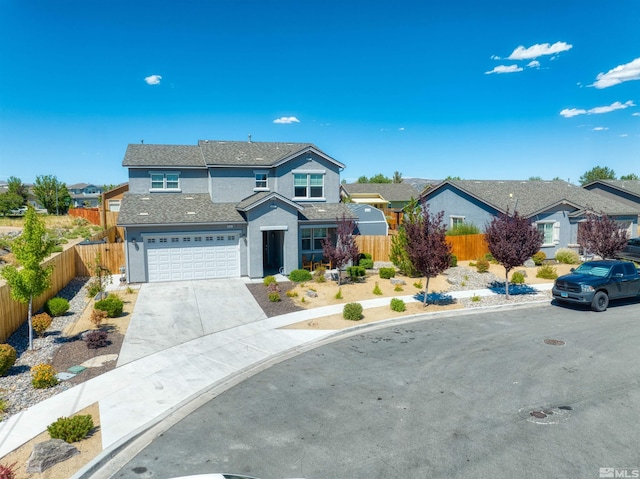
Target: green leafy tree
<point>535,178</point>
<point>597,173</point>
<point>15,186</point>
<point>29,249</point>
<point>398,251</point>
<point>453,178</point>
<point>363,179</point>
<point>379,178</point>
<point>427,245</point>
<point>397,177</point>
<point>10,201</point>
<point>630,177</point>
<point>52,194</point>
<point>512,239</point>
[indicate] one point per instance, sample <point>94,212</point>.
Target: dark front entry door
<point>272,251</point>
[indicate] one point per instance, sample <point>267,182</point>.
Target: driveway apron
<point>173,313</point>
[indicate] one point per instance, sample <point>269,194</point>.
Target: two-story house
<point>84,195</point>
<point>227,208</point>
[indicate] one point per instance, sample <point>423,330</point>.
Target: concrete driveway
<point>173,313</point>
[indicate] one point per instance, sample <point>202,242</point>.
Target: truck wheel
<point>600,301</point>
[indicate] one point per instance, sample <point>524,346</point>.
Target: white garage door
<point>186,256</point>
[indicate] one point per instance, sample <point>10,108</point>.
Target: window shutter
<point>556,232</point>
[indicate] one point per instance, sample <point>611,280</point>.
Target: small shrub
<point>96,339</point>
<point>274,296</point>
<point>57,306</point>
<point>4,405</point>
<point>273,288</point>
<point>464,229</point>
<point>302,300</point>
<point>57,249</point>
<point>71,429</point>
<point>482,265</point>
<point>355,272</point>
<point>453,261</point>
<point>398,288</point>
<point>352,311</point>
<point>366,256</point>
<point>366,263</point>
<point>387,273</point>
<point>517,277</point>
<point>339,294</point>
<point>489,257</point>
<point>40,323</point>
<point>300,275</point>
<point>292,294</point>
<point>8,472</point>
<point>567,256</point>
<point>547,272</point>
<point>418,284</point>
<point>377,290</point>
<point>538,258</point>
<point>318,274</point>
<point>97,317</point>
<point>269,280</point>
<point>129,290</point>
<point>112,304</point>
<point>43,376</point>
<point>398,305</point>
<point>8,358</point>
<point>93,288</point>
<point>475,298</point>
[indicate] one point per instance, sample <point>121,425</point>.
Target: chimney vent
<point>249,137</point>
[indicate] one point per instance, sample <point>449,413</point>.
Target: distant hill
<point>420,183</point>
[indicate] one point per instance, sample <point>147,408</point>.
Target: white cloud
<point>401,129</point>
<point>504,69</point>
<point>286,120</point>
<point>635,114</point>
<point>568,113</point>
<point>533,64</point>
<point>571,112</point>
<point>495,57</point>
<point>153,79</point>
<point>600,128</point>
<point>624,135</point>
<point>538,50</point>
<point>621,73</point>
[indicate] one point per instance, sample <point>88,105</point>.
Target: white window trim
<point>452,217</point>
<point>112,203</point>
<point>164,181</point>
<point>308,173</point>
<point>255,179</point>
<point>555,235</point>
<point>312,238</point>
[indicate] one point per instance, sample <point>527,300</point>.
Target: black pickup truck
<point>596,282</point>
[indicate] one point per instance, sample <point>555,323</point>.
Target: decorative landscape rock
<point>395,281</point>
<point>312,294</point>
<point>529,263</point>
<point>49,453</point>
<point>522,272</point>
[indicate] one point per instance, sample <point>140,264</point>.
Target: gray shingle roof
<point>630,186</point>
<point>257,198</point>
<point>535,196</point>
<point>163,156</point>
<point>326,211</point>
<point>175,208</point>
<point>389,191</point>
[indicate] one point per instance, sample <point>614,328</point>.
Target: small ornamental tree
<point>512,239</point>
<point>398,254</point>
<point>426,244</point>
<point>344,249</point>
<point>30,249</point>
<point>602,235</point>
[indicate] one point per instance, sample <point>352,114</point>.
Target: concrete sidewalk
<point>142,391</point>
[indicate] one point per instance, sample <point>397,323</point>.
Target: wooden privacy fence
<point>75,261</point>
<point>465,247</point>
<point>92,215</point>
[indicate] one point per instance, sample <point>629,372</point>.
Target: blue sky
<point>480,90</point>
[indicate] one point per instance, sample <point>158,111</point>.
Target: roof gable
<point>631,187</point>
<point>388,191</point>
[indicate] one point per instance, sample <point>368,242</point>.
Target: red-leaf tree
<point>512,239</point>
<point>427,246</point>
<point>602,235</point>
<point>342,248</point>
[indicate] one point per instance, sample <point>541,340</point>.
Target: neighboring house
<point>624,191</point>
<point>556,207</point>
<point>84,195</point>
<point>370,220</point>
<point>388,197</point>
<point>227,208</point>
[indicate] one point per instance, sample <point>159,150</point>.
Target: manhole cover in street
<point>545,415</point>
<point>554,342</point>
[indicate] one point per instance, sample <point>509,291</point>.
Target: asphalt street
<point>544,392</point>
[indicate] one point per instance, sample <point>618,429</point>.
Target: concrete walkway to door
<point>173,313</point>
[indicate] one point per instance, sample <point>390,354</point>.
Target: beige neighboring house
<point>391,198</point>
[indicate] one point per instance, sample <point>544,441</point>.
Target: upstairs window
<point>261,181</point>
<point>308,185</point>
<point>165,181</point>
